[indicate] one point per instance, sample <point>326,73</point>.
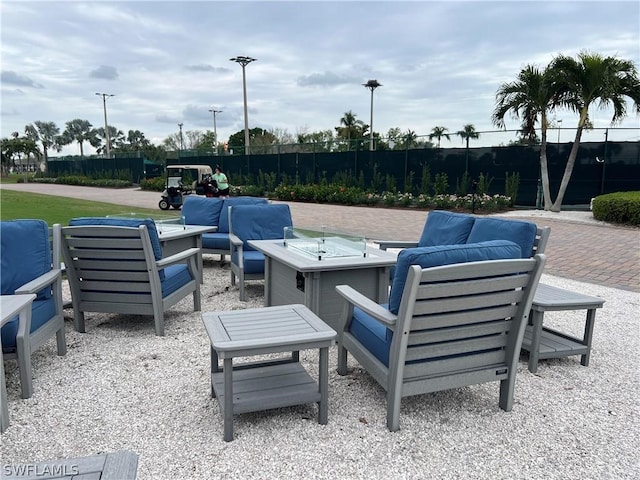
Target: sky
<point>440,63</point>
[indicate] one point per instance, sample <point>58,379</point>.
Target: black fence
<point>600,167</point>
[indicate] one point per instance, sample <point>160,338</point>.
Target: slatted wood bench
<point>120,465</point>
<point>542,342</point>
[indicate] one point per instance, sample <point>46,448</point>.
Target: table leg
<point>215,368</point>
<point>323,383</point>
<point>588,336</point>
<point>23,350</point>
<point>4,408</point>
<point>228,399</point>
<point>534,351</point>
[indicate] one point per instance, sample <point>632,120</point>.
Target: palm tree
<point>79,131</point>
<point>589,79</point>
<point>438,133</point>
<point>350,127</point>
<point>467,132</point>
<point>47,133</point>
<point>409,138</point>
<point>99,139</point>
<point>530,98</point>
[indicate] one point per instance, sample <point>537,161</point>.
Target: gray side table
<point>263,385</point>
<point>10,306</point>
<point>542,342</point>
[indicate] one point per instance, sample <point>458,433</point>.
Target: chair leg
<point>241,286</point>
<point>78,320</point>
<point>23,351</point>
<point>159,323</point>
<point>233,278</point>
<point>342,360</point>
<point>197,304</point>
<point>506,393</point>
<point>60,339</point>
<point>393,411</point>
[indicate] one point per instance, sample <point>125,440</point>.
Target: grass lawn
<point>57,209</point>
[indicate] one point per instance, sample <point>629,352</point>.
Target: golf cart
<point>183,180</point>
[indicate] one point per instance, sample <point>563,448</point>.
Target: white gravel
<point>122,387</point>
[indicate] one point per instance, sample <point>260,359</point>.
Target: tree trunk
<point>568,170</point>
<point>544,167</point>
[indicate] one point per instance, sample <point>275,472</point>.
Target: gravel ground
<point>122,387</point>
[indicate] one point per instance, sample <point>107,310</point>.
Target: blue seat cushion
<point>223,224</point>
<point>253,261</point>
<point>201,210</point>
<point>260,222</point>
<point>216,240</point>
<point>446,228</point>
<point>517,231</point>
<point>375,336</point>
<point>435,256</point>
<point>175,276</point>
<point>124,222</point>
<point>41,312</point>
<point>25,254</point>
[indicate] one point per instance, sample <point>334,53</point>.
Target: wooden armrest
<point>364,303</point>
<point>235,240</point>
<point>384,244</point>
<point>177,257</point>
<point>39,283</point>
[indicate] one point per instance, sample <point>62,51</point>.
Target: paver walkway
<point>594,253</point>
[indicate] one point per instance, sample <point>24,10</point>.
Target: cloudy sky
<point>440,62</point>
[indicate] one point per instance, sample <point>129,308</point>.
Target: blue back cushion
<point>124,222</point>
<point>201,210</point>
<point>516,231</point>
<point>446,228</point>
<point>446,255</point>
<point>223,224</point>
<point>260,222</point>
<point>25,254</point>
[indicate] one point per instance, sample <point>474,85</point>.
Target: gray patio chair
<point>445,326</point>
<point>120,269</point>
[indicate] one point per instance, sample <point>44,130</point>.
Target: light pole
<point>371,85</point>
<point>559,125</point>
<point>181,140</point>
<point>215,130</point>
<point>244,61</point>
<point>106,125</point>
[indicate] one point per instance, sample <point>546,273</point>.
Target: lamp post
<point>181,140</point>
<point>215,130</point>
<point>106,125</point>
<point>559,125</point>
<point>244,61</point>
<point>371,85</point>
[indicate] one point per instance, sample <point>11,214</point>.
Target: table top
<point>554,298</point>
<point>180,231</point>
<point>304,263</point>
<point>10,305</point>
<point>267,328</point>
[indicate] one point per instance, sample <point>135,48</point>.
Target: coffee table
<point>293,277</point>
<point>274,383</point>
<point>10,306</point>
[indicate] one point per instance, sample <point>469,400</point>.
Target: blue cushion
<point>175,276</point>
<point>41,312</point>
<point>260,222</point>
<point>375,336</point>
<point>253,261</point>
<point>216,240</point>
<point>516,231</point>
<point>223,224</point>
<point>25,254</point>
<point>201,210</point>
<point>124,222</point>
<point>446,255</point>
<point>446,228</point>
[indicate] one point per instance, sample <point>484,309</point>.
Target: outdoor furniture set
<point>457,313</point>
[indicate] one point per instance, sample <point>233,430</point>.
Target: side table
<point>542,342</point>
<point>10,306</point>
<point>263,385</point>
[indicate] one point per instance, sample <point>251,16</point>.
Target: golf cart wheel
<point>164,204</point>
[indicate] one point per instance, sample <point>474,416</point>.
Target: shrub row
<point>620,207</point>
<point>83,180</point>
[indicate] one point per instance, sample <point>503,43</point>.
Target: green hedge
<point>620,207</point>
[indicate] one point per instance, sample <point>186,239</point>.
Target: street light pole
<point>371,85</point>
<point>106,125</point>
<point>215,130</point>
<point>559,125</point>
<point>181,140</point>
<point>244,61</point>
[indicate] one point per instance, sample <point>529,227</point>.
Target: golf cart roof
<point>191,167</point>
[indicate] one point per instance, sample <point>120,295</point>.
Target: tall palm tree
<point>99,139</point>
<point>530,98</point>
<point>350,127</point>
<point>592,79</point>
<point>467,132</point>
<point>438,133</point>
<point>78,130</point>
<point>47,133</point>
